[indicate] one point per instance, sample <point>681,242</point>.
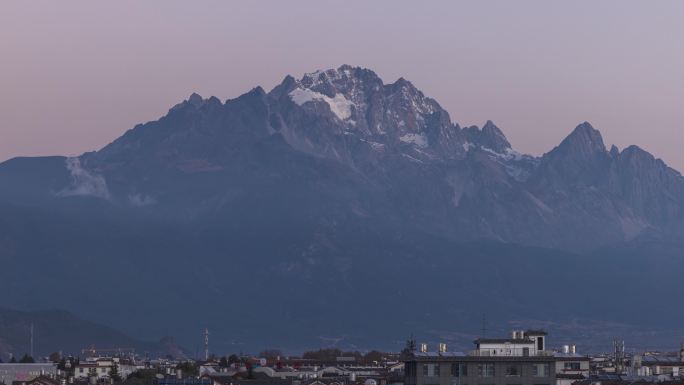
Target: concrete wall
<point>445,377</point>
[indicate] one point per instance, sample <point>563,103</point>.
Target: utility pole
<point>206,344</point>
<point>484,325</point>
<point>31,341</point>
<point>619,347</point>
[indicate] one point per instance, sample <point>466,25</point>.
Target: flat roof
<point>503,341</point>
<point>460,357</point>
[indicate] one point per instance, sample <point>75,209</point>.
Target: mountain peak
<point>581,156</point>
<point>490,136</point>
<point>585,141</point>
<point>495,137</point>
<point>195,99</point>
<point>336,77</point>
<point>589,135</point>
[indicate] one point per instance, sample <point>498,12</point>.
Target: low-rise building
<point>668,367</point>
<point>570,366</point>
<point>11,372</point>
<point>102,368</point>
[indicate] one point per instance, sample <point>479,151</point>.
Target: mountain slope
<point>403,159</point>
<point>329,197</point>
<point>61,331</point>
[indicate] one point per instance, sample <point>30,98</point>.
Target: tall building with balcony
<point>519,360</point>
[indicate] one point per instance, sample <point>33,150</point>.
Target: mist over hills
<point>339,209</point>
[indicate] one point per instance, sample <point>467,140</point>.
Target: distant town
<point>525,357</point>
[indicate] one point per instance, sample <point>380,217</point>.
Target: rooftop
<point>503,341</point>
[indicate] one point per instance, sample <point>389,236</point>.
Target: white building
<point>101,367</point>
<point>521,344</point>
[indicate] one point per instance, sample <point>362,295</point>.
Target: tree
<point>270,353</point>
<point>26,359</point>
<point>13,360</point>
<point>62,364</point>
<point>114,373</point>
<point>142,377</point>
<point>55,357</point>
<point>233,359</point>
<point>224,362</point>
<point>373,357</point>
<point>410,347</point>
<point>330,355</point>
<point>188,368</point>
<point>323,354</point>
<point>250,371</point>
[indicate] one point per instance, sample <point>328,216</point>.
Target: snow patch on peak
<point>409,157</point>
<point>417,139</point>
<point>329,76</point>
<point>509,154</point>
<point>514,155</point>
<point>339,104</point>
<point>374,145</point>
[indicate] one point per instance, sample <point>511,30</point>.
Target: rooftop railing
<point>509,353</point>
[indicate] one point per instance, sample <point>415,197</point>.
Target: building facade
<point>446,369</point>
<point>520,360</point>
<point>101,368</point>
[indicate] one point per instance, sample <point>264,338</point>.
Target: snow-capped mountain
<point>462,183</point>
<point>352,105</point>
<point>331,180</point>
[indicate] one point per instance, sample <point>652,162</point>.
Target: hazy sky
<point>75,75</point>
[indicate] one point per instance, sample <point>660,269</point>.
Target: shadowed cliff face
<point>286,185</point>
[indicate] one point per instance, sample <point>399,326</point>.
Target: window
<point>513,370</point>
<point>572,366</point>
<point>431,370</point>
<point>411,370</point>
<point>540,370</point>
<point>485,370</point>
<point>459,370</point>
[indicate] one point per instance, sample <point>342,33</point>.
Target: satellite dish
<point>159,376</point>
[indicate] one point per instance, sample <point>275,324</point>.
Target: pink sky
<point>75,75</point>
